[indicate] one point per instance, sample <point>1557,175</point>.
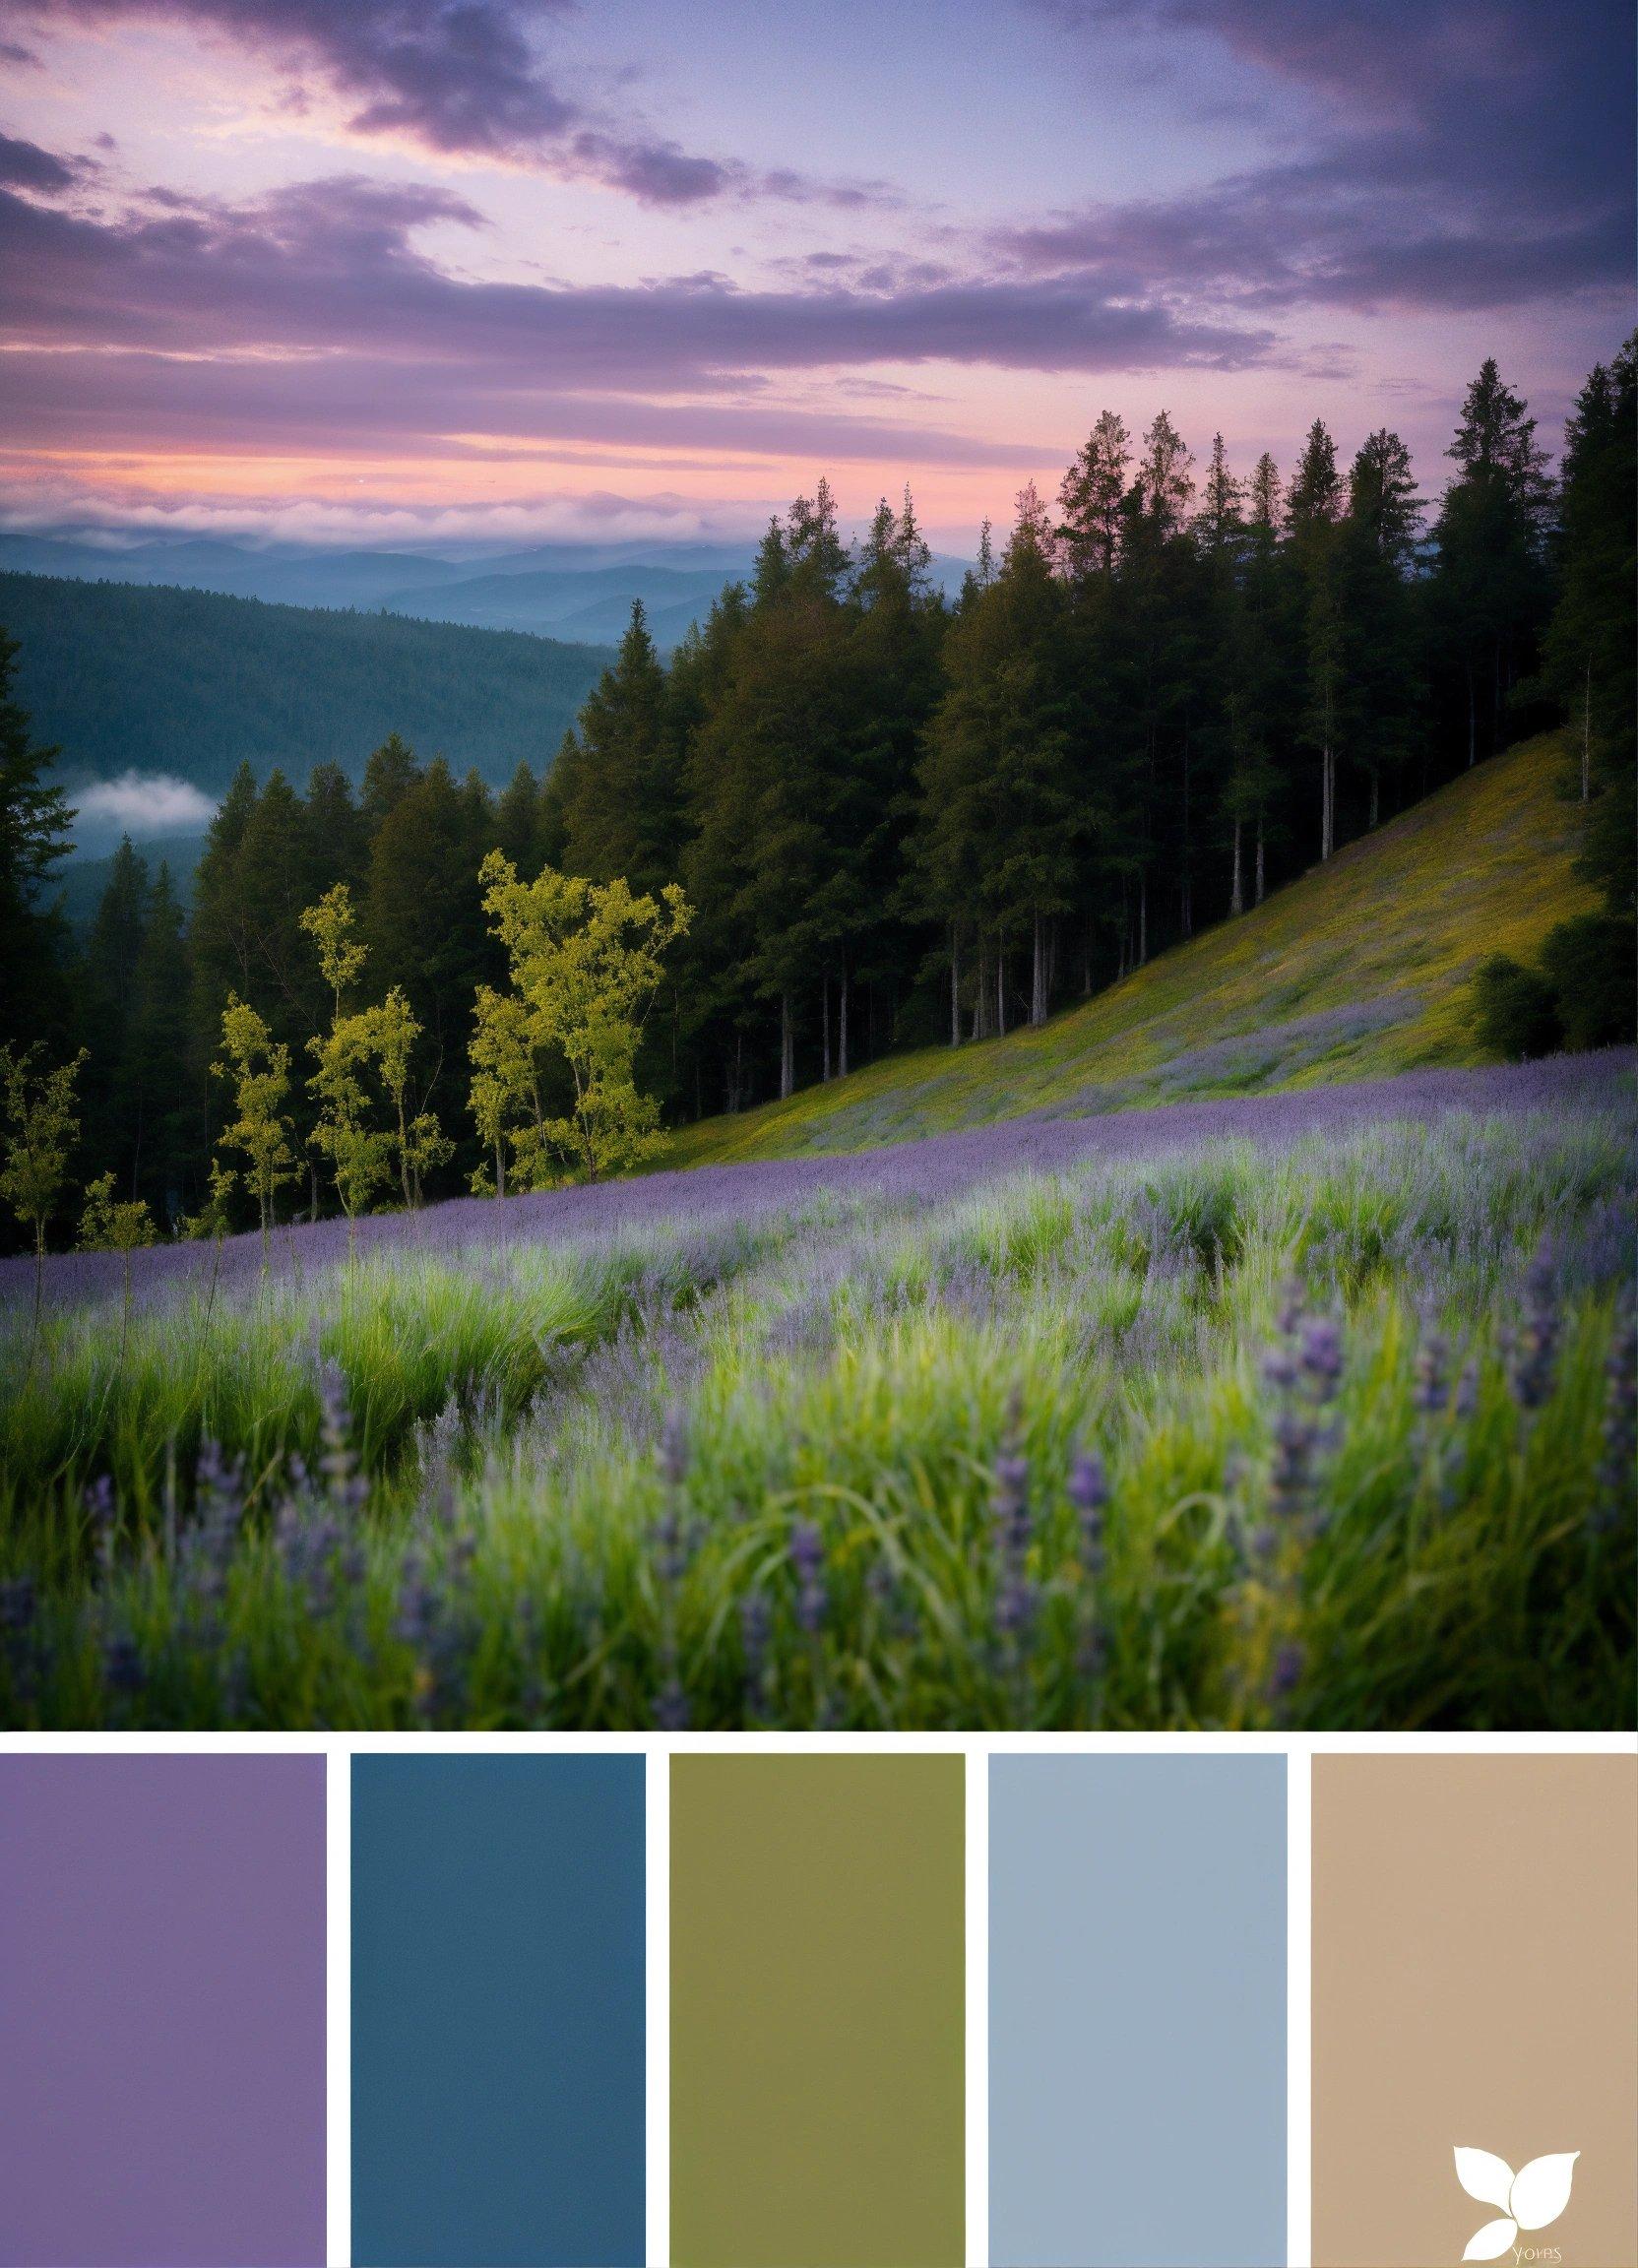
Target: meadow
<point>1310,1408</point>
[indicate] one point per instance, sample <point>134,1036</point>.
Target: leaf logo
<point>1529,2199</point>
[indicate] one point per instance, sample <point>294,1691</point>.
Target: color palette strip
<point>498,2018</point>
<point>817,1996</point>
<point>1137,2011</point>
<point>164,1979</point>
<point>1475,1987</point>
<point>162,2010</point>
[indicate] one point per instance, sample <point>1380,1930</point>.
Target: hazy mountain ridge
<point>577,591</point>
<point>189,684</point>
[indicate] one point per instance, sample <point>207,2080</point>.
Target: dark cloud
<point>1462,154</point>
<point>25,166</point>
<point>457,77</point>
<point>329,268</point>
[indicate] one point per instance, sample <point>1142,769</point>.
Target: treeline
<point>901,819</point>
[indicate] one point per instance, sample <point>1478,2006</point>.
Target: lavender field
<point>1313,1408</point>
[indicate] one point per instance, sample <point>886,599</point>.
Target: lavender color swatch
<point>161,2011</point>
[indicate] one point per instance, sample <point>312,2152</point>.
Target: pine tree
<point>33,837</point>
<point>158,1089</point>
<point>618,784</point>
<point>1165,481</point>
<point>518,821</point>
<point>1490,588</point>
<point>1090,498</point>
<point>106,1008</point>
<point>1219,519</point>
<point>1314,500</point>
<point>1588,645</point>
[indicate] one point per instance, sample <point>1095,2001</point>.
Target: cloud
<point>1459,155</point>
<point>311,313</point>
<point>142,803</point>
<point>25,166</point>
<point>458,78</point>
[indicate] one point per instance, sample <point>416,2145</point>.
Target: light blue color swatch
<point>1137,2011</point>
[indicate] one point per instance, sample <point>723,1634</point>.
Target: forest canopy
<point>896,818</point>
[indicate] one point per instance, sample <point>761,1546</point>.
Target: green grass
<point>1360,969</point>
<point>592,1484</point>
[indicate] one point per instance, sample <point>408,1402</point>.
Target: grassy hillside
<point>191,683</point>
<point>1360,969</point>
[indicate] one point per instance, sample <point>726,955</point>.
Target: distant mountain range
<point>579,591</point>
<point>160,691</point>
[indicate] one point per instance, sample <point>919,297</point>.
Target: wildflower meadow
<point>1306,1410</point>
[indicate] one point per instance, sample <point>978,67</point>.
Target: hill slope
<point>123,676</point>
<point>1359,968</point>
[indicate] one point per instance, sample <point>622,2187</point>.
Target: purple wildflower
<point>807,1557</point>
<point>1286,1673</point>
<point>1432,1388</point>
<point>1089,1492</point>
<point>1537,1355</point>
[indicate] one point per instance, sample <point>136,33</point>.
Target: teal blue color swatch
<point>498,2029</point>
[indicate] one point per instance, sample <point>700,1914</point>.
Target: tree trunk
<point>1000,989</point>
<point>842,1024</point>
<point>1237,899</point>
<point>1038,976</point>
<point>955,985</point>
<point>1143,919</point>
<point>1587,737</point>
<point>1327,824</point>
<point>1473,717</point>
<point>500,1167</point>
<point>825,1026</point>
<point>1259,896</point>
<point>787,1049</point>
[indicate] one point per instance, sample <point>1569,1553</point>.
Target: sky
<point>410,270</point>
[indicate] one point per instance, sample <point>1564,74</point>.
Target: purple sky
<point>396,270</point>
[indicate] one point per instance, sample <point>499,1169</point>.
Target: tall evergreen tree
<point>1491,586</point>
<point>616,787</point>
<point>33,837</point>
<point>1590,646</point>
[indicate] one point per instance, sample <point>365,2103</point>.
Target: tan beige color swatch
<point>1474,1983</point>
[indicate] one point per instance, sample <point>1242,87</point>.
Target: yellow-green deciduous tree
<point>111,1224</point>
<point>41,1129</point>
<point>422,1142</point>
<point>383,1037</point>
<point>505,1079</point>
<point>586,959</point>
<point>360,1154</point>
<point>260,1070</point>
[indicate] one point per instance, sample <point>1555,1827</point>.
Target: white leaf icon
<point>1489,2179</point>
<point>1543,2189</point>
<point>1493,2240</point>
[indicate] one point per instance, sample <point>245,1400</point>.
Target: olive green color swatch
<point>817,2011</point>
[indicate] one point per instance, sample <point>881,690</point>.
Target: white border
<point>339,2008</point>
<point>1300,1883</point>
<point>656,1985</point>
<point>977,2007</point>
